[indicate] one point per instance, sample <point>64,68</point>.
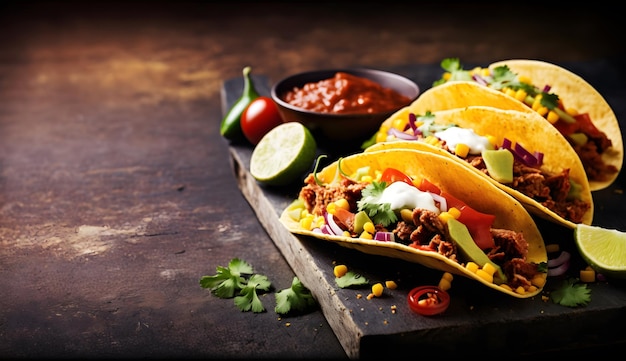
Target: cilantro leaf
<point>549,100</point>
<point>295,298</point>
<point>248,298</point>
<point>227,280</point>
<point>379,213</point>
<point>571,294</point>
<point>351,279</point>
<point>454,67</point>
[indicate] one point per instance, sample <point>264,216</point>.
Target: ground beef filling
<point>549,190</point>
<point>428,231</point>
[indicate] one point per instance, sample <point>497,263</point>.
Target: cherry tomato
<point>428,300</point>
<point>259,117</point>
<point>391,175</point>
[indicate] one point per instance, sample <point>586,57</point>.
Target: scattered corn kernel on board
<point>479,320</point>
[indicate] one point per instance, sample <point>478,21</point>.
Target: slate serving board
<point>479,320</point>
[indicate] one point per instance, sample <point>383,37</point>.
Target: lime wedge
<point>283,154</point>
<point>603,249</point>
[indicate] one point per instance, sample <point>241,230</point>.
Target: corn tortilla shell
<point>526,128</point>
<point>576,93</point>
<point>450,176</point>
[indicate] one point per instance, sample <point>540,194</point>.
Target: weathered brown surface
<point>116,192</point>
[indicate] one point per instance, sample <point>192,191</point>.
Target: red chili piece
<point>428,300</point>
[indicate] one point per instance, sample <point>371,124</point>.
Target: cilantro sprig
<point>379,213</point>
<point>239,281</point>
<point>571,293</point>
<point>351,279</point>
<point>295,298</point>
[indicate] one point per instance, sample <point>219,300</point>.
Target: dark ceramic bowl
<point>340,127</point>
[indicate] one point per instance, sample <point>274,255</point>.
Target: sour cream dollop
<point>402,195</point>
<point>458,135</point>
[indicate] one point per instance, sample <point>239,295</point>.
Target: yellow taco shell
<point>522,127</point>
<point>450,176</point>
<point>578,94</point>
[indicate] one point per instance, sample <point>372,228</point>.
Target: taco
<point>424,208</point>
<point>562,98</point>
<point>513,150</point>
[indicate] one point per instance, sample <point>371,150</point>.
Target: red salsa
<point>344,94</point>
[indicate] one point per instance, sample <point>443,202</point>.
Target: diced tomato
<point>344,218</point>
<point>583,124</point>
<point>391,175</point>
<point>477,223</point>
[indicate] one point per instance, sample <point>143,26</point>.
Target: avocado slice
<point>359,220</point>
<point>499,164</point>
<point>470,251</point>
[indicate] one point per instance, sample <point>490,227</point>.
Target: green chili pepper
<point>231,127</point>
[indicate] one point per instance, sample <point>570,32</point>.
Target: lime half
<point>283,154</point>
<point>603,249</point>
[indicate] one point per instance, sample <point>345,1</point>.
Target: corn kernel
<point>447,76</point>
<point>445,284</point>
<point>524,79</point>
<point>381,137</point>
<point>406,215</point>
<point>485,72</point>
<point>330,208</point>
<point>346,234</point>
<point>391,285</point>
<point>340,270</point>
<point>377,289</point>
<point>489,268</point>
<point>571,111</point>
<point>587,275</point>
<point>431,139</point>
<point>343,203</point>
<point>506,287</point>
<point>510,92</point>
<point>320,221</point>
<point>552,117</point>
<point>484,275</point>
<point>445,216</point>
<point>520,290</point>
<point>306,222</point>
<point>542,111</point>
<point>366,235</point>
<point>367,179</point>
<point>553,247</point>
<point>454,212</point>
<point>462,150</point>
<point>493,140</point>
<point>472,267</point>
<point>521,95</point>
<point>369,227</point>
<point>539,280</point>
<point>399,123</point>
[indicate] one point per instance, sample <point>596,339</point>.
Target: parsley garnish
<point>238,278</point>
<point>571,294</point>
<point>379,213</point>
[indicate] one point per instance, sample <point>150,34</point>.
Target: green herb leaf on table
<point>227,280</point>
<point>351,279</point>
<point>249,299</point>
<point>571,294</point>
<point>295,298</point>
